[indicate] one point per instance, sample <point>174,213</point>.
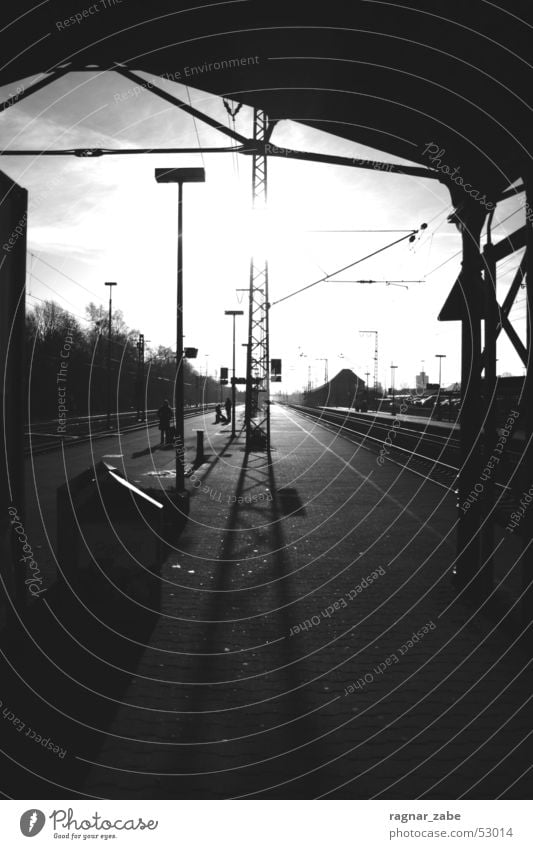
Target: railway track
<point>40,438</point>
<point>422,450</point>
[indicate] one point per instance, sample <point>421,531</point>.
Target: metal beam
<point>508,302</point>
<point>368,164</point>
<point>466,574</point>
<point>185,107</point>
<point>518,345</point>
<point>527,457</point>
<point>94,152</point>
<point>510,244</point>
<point>509,193</point>
<point>490,435</point>
<point>32,88</point>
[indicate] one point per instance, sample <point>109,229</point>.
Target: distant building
<point>421,381</point>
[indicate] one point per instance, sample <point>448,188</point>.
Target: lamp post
<point>440,358</point>
<point>233,313</point>
<point>179,176</point>
<point>207,378</point>
<point>392,367</point>
<point>110,319</point>
<point>141,413</point>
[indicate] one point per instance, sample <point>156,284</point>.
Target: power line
<point>410,235</point>
<point>359,231</point>
<point>460,252</point>
<point>43,301</point>
<point>195,127</point>
<point>33,275</point>
<point>58,270</point>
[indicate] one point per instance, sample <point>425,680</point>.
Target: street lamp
<point>393,408</point>
<point>141,411</point>
<point>207,378</point>
<point>109,354</point>
<point>233,313</point>
<point>440,358</point>
<point>179,176</point>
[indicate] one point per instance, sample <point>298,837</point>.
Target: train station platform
<point>308,643</point>
<point>425,422</point>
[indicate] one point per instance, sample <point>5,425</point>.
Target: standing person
<point>165,417</point>
<point>227,405</point>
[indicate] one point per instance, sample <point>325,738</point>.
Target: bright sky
<point>107,219</point>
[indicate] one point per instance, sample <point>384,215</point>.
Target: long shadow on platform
<point>264,740</point>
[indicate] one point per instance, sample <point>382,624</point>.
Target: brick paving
<point>281,661</point>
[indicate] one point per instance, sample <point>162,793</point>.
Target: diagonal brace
<point>185,107</point>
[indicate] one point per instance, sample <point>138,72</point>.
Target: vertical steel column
<point>179,386</point>
<point>257,410</point>
<point>527,461</point>
<point>13,394</point>
<point>376,368</point>
<point>491,322</point>
<point>470,219</point>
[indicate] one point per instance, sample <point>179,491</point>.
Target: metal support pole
<point>470,419</point>
<point>233,388</point>
<point>490,428</point>
<point>179,176</point>
<point>178,384</point>
<point>527,460</point>
<point>234,314</point>
<point>109,332</point>
<point>440,357</point>
<point>258,362</point>
<point>393,407</point>
<point>14,395</point>
<point>141,415</point>
<point>199,447</point>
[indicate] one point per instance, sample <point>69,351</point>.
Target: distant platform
<point>423,422</point>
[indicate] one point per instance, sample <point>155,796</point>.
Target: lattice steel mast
<point>257,412</point>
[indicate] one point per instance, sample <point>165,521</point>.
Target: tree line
<point>60,352</point>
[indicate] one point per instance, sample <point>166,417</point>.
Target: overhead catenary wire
<point>47,286</point>
<point>409,235</point>
<point>359,231</point>
<point>58,270</point>
<point>196,129</point>
<point>458,253</point>
<point>232,114</point>
<point>43,301</point>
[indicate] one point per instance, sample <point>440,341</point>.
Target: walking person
<point>165,417</point>
<point>218,415</point>
<point>227,405</point>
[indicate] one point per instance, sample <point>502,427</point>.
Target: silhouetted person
<point>218,415</point>
<point>165,417</point>
<point>227,405</point>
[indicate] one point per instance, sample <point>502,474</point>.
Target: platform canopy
<point>395,76</point>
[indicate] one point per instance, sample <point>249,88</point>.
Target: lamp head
<point>180,175</point>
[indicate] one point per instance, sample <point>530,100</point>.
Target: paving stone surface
<point>305,641</point>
